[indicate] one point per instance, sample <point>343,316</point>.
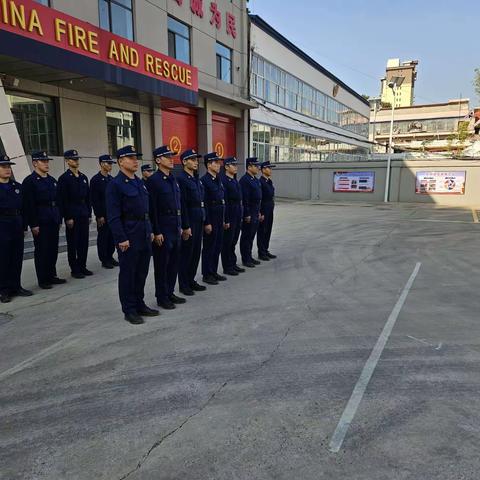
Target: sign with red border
<point>28,20</point>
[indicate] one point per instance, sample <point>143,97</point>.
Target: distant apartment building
<point>405,93</point>
<point>438,127</point>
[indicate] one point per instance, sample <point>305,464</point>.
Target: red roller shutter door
<point>179,126</point>
<point>224,135</point>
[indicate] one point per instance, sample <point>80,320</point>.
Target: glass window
<point>44,2</point>
<point>122,129</point>
<point>117,16</point>
<point>178,40</point>
<point>283,89</point>
<point>36,122</point>
<point>224,63</point>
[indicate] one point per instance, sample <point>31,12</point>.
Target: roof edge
<point>267,28</point>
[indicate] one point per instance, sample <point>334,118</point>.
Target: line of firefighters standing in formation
<point>161,214</point>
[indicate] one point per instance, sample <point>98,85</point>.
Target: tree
<point>476,82</point>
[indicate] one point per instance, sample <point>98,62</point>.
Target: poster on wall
<point>356,182</point>
<point>440,183</point>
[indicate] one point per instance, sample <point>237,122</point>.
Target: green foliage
<point>462,131</point>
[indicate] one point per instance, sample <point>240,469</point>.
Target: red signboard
<point>224,135</point>
<point>179,127</point>
<point>31,20</point>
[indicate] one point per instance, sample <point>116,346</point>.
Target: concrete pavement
<point>250,379</point>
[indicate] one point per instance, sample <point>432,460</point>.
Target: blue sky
<point>354,39</point>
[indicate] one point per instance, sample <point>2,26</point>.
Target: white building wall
<point>276,53</point>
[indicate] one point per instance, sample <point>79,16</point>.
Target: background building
<point>177,73</point>
<point>306,113</point>
<point>440,127</point>
<point>405,94</point>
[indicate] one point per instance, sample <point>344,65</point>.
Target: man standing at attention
<point>11,234</point>
<point>193,215</point>
<point>266,213</point>
<point>252,198</point>
<point>44,218</point>
<point>128,218</point>
<point>98,187</point>
<point>74,199</point>
<point>233,217</point>
<point>165,215</point>
<point>214,223</point>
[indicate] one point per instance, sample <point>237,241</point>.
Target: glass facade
<point>440,125</point>
<point>178,40</point>
<point>36,121</point>
<point>276,86</point>
<point>117,17</point>
<point>282,145</point>
<point>122,130</point>
<point>224,63</point>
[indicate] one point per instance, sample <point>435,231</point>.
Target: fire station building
<point>96,75</point>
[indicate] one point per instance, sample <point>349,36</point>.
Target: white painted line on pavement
<point>69,340</point>
<point>437,347</point>
<point>367,372</point>
<point>475,216</point>
<point>423,220</point>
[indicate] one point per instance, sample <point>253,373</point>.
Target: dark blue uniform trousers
<point>11,246</point>
<point>165,262</point>
<point>212,246</point>
<point>77,244</point>
<point>46,252</point>
<point>249,230</point>
<point>265,232</point>
<point>190,252</point>
<point>134,264</point>
<point>105,244</point>
<point>230,240</point>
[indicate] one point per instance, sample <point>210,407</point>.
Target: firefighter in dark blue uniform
<point>98,187</point>
<point>43,217</point>
<point>193,215</point>
<point>233,217</point>
<point>252,198</point>
<point>165,215</point>
<point>147,172</point>
<point>214,223</point>
<point>74,201</point>
<point>11,234</point>
<point>128,218</point>
<point>266,212</point>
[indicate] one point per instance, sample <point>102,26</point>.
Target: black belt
<point>234,202</point>
<point>170,213</point>
<point>47,204</point>
<point>212,203</point>
<point>10,212</point>
<point>136,218</point>
<point>195,204</point>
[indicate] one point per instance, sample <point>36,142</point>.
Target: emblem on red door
<point>175,145</point>
<point>220,149</point>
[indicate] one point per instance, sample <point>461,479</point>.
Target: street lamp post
<point>394,83</point>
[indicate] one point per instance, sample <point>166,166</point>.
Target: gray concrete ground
<point>249,380</point>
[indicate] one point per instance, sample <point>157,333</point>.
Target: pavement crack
<point>252,371</point>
